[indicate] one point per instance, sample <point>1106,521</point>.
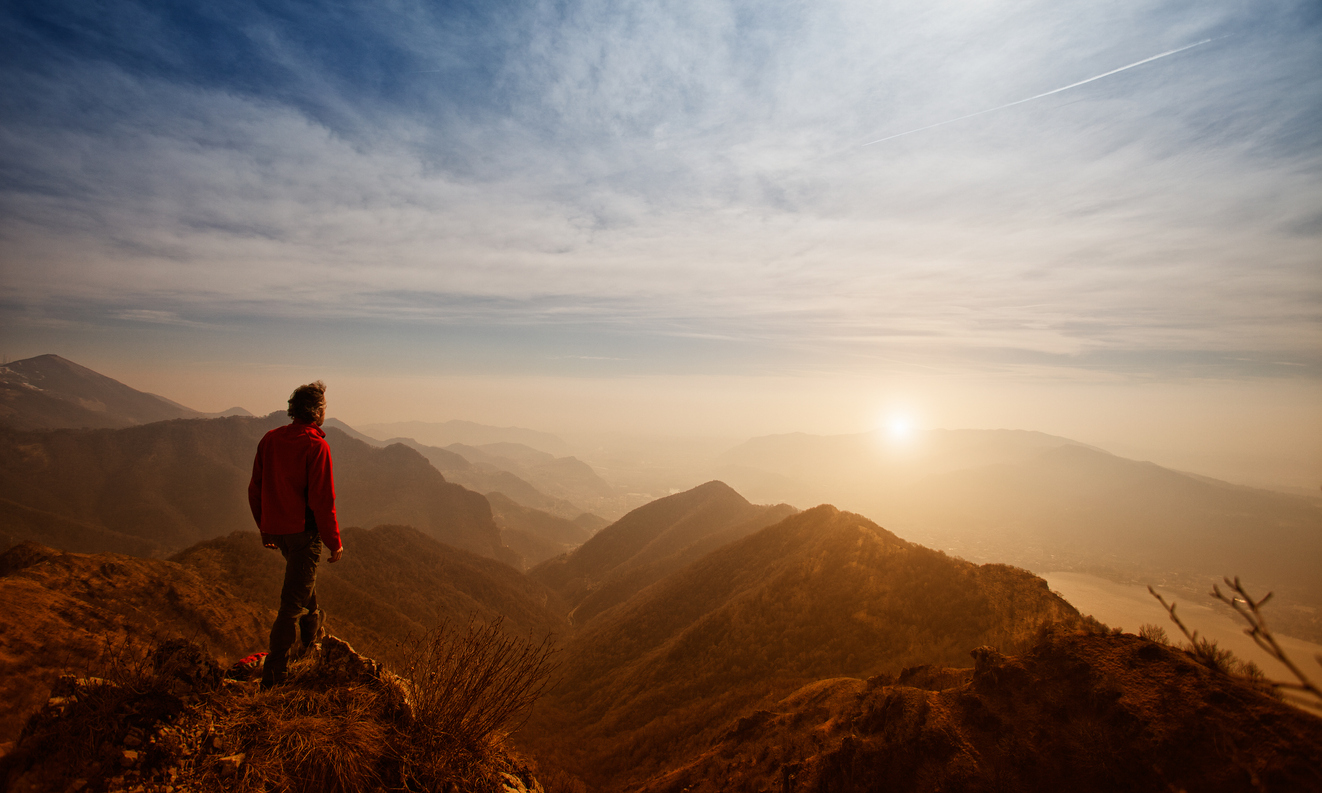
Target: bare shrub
<point>1154,633</point>
<point>1091,624</point>
<point>467,685</point>
<point>1211,656</point>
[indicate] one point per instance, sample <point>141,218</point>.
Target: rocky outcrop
<point>172,722</point>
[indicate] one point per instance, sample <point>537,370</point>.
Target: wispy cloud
<point>1045,94</point>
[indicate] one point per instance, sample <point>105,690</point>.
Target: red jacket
<point>291,488</point>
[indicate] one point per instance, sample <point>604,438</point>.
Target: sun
<point>900,427</point>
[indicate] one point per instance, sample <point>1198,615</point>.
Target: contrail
<point>1039,96</point>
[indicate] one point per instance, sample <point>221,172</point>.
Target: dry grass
<point>467,686</point>
<point>341,723</point>
<point>307,741</point>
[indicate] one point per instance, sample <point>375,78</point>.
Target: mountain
<point>649,543</point>
<point>168,485</point>
<point>821,594</point>
<point>64,610</point>
<point>533,534</point>
<point>563,478</point>
<point>467,432</point>
<point>50,392</point>
<point>486,479</point>
<point>397,485</point>
<point>1082,505</point>
<point>591,523</point>
<point>334,423</point>
<point>1050,504</point>
<point>1093,712</point>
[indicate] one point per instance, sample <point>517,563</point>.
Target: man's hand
<point>269,542</point>
<point>336,554</point>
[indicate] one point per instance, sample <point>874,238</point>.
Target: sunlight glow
<point>900,428</point>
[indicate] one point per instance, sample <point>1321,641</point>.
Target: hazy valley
<point>825,612</point>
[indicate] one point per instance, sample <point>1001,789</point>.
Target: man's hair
<point>306,401</point>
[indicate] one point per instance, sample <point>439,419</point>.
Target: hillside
<point>562,478</point>
<point>50,392</point>
<point>821,594</point>
<point>58,610</point>
<point>393,581</point>
<point>487,479</point>
<point>649,543</point>
<point>532,533</point>
<point>1087,712</point>
<point>168,485</point>
<point>63,610</point>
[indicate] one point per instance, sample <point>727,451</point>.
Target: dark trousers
<point>298,601</point>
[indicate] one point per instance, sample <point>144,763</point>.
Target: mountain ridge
<point>822,593</point>
<point>50,392</point>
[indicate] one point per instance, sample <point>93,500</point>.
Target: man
<point>292,497</point>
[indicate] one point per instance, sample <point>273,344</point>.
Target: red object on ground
<point>247,668</point>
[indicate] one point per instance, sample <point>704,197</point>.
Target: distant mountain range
<point>158,488</point>
<point>50,392</point>
<point>469,433</point>
<point>1050,504</point>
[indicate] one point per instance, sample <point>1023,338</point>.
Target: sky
<point>685,217</point>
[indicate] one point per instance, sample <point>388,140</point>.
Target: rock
<point>230,765</point>
<point>986,658</point>
<point>72,686</point>
<point>187,667</point>
<point>338,659</point>
<point>128,758</point>
<point>132,741</point>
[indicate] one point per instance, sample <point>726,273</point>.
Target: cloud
<point>678,170</point>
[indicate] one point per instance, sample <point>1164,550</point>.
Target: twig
<point>1250,610</point>
<point>1170,609</point>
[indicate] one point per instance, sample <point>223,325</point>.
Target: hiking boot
<point>312,628</point>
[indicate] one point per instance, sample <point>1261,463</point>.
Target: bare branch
<point>1192,636</point>
<point>1246,607</point>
